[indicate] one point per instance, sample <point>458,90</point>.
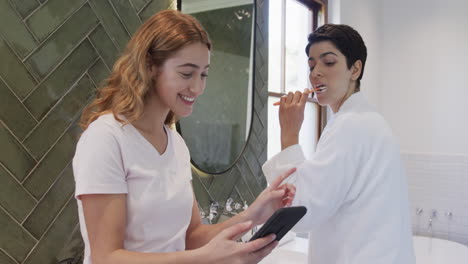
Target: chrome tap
<point>228,206</point>
<point>419,211</point>
<point>431,219</point>
<point>246,206</point>
<point>231,208</point>
<point>449,215</point>
<point>213,211</point>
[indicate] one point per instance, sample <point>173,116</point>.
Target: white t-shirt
<point>354,189</point>
<point>114,159</point>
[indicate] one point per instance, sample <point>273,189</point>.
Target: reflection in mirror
<point>218,128</point>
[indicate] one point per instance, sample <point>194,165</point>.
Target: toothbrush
<point>310,91</point>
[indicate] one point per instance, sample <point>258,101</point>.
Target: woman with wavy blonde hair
<point>132,172</point>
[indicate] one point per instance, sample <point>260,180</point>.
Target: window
<point>290,23</point>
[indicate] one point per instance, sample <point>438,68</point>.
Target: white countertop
<point>291,250</point>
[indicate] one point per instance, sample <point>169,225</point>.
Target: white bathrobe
<point>354,189</point>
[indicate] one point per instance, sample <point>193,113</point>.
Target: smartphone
<point>281,222</point>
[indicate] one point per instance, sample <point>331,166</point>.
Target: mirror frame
<point>245,180</point>
<point>252,108</point>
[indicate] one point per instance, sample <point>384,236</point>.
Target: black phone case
<point>281,222</point>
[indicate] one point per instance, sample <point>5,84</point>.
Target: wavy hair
<point>128,86</point>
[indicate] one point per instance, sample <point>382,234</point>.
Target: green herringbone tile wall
<point>53,56</point>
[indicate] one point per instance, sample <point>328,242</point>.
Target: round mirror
<point>219,126</point>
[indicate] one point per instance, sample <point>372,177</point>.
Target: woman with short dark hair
<point>354,186</point>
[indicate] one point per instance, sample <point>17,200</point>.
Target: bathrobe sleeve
<point>322,182</point>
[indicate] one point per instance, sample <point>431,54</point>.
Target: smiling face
<point>182,78</point>
<point>330,73</point>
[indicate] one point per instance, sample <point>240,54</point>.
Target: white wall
<point>364,16</point>
<point>425,74</point>
<point>417,68</point>
<point>417,76</point>
<point>424,92</point>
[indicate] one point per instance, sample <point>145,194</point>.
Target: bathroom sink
<point>281,256</point>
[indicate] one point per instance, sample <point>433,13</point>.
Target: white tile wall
<point>439,182</point>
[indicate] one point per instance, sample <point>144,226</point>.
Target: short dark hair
<point>346,39</point>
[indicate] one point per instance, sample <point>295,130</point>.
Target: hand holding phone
<point>281,222</point>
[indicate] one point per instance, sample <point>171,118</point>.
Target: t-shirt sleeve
<point>97,164</point>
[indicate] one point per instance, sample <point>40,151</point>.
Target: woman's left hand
<point>274,197</point>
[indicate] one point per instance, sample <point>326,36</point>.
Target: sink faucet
<point>233,208</point>
<point>431,219</point>
<point>228,206</point>
<point>213,211</point>
<point>419,211</point>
